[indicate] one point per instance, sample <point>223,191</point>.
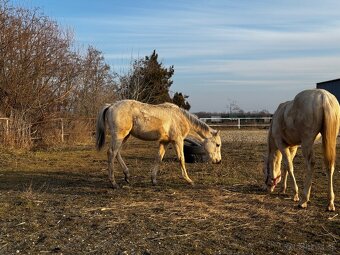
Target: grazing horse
<point>165,123</point>
<point>299,122</point>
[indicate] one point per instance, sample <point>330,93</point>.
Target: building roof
<point>330,81</point>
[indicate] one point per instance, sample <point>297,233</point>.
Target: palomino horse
<point>299,122</point>
<point>165,123</point>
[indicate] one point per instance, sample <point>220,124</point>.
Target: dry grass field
<point>60,202</point>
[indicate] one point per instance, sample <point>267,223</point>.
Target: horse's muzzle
<point>272,183</point>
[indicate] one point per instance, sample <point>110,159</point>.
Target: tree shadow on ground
<point>51,182</point>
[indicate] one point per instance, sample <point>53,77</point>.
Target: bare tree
<point>42,76</point>
<point>96,85</point>
<point>38,69</point>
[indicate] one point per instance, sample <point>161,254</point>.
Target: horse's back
<point>311,96</point>
<point>146,121</point>
<point>303,117</point>
<point>312,105</point>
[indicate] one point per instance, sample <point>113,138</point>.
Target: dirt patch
<point>60,202</point>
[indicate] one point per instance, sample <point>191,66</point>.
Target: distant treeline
<point>240,114</point>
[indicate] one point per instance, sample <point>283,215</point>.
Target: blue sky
<point>256,54</point>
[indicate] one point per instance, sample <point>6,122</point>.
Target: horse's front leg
<point>288,155</point>
<point>180,154</point>
<point>161,152</point>
<point>292,151</point>
<point>309,157</point>
<point>284,183</point>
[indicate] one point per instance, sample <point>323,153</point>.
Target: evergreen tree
<point>149,81</point>
<point>180,100</point>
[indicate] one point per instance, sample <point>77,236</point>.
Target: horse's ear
<point>215,132</point>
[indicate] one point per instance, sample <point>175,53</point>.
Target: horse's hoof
<point>296,198</point>
<point>282,192</point>
<point>115,186</point>
<point>303,205</point>
<point>154,182</point>
<point>127,176</point>
<point>331,208</point>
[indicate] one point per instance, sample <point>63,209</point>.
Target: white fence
<point>66,129</point>
<point>60,128</point>
<point>262,122</point>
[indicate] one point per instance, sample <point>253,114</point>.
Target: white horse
<point>299,122</point>
<point>165,123</point>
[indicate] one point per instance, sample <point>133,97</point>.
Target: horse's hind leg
<point>111,155</point>
<point>122,163</point>
<point>110,160</point>
<point>125,168</point>
<point>330,172</point>
<point>329,162</point>
<point>161,152</point>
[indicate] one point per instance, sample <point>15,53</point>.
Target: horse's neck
<point>197,126</point>
<point>203,133</point>
<point>196,136</point>
<point>272,148</point>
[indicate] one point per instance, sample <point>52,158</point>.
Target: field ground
<point>59,201</point>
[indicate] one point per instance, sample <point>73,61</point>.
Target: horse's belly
<point>291,137</point>
<point>149,131</point>
<point>147,135</point>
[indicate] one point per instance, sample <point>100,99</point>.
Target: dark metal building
<point>332,86</point>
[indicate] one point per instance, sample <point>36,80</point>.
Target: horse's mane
<point>195,122</point>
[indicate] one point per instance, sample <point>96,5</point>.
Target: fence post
<point>62,129</point>
<point>239,123</point>
<point>7,127</point>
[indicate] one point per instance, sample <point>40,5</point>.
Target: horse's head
<point>212,146</point>
<point>272,171</point>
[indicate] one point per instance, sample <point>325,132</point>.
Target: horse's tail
<point>100,128</point>
<point>330,130</point>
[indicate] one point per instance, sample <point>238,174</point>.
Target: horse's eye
<point>218,145</point>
